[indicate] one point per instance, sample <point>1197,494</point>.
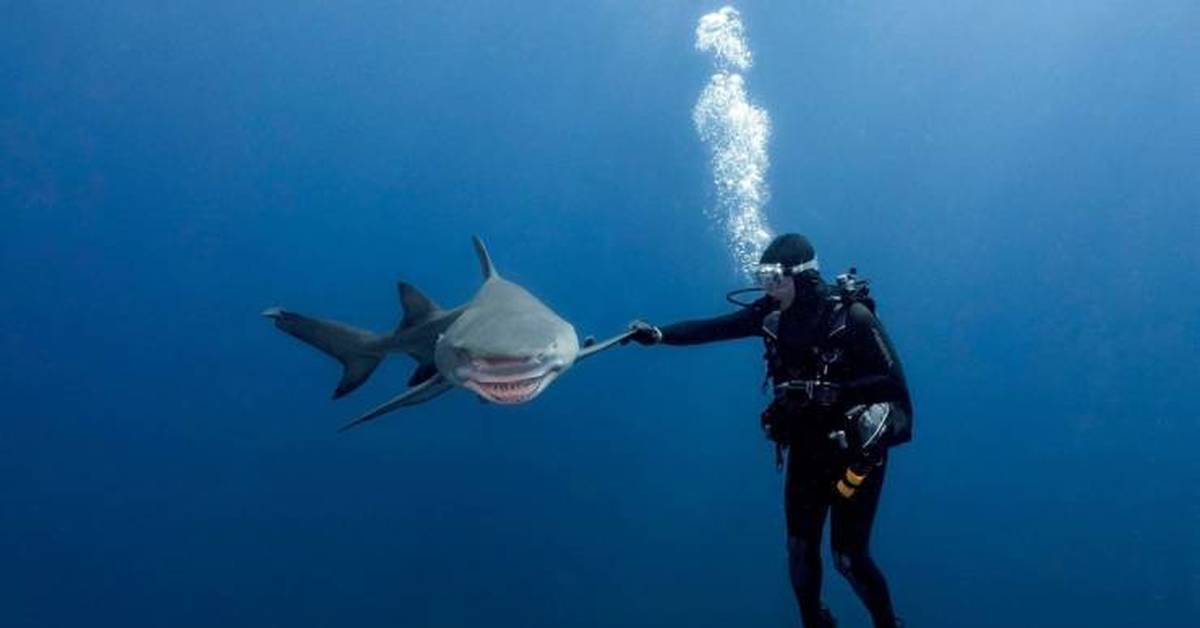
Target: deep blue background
<point>1019,179</point>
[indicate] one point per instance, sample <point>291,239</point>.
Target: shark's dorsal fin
<point>485,260</point>
<point>418,308</point>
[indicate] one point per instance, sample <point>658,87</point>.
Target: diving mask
<point>771,276</point>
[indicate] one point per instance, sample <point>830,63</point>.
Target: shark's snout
<point>500,364</point>
<point>504,362</point>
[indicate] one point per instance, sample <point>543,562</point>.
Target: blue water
<point>1018,179</point>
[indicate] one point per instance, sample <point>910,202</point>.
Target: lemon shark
<point>504,344</point>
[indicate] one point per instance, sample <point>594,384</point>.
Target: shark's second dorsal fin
<point>418,308</point>
<point>485,260</point>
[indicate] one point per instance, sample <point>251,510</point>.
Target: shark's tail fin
<point>358,350</point>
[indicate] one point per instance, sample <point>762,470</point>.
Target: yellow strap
<point>846,490</point>
<point>853,478</point>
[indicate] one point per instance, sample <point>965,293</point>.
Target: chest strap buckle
<point>810,390</point>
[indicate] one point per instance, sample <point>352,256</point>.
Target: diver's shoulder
<point>859,314</point>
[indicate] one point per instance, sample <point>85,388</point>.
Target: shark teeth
<point>515,391</point>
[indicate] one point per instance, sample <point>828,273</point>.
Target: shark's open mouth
<point>515,391</point>
<point>510,378</point>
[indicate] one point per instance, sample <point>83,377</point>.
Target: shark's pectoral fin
<point>592,348</point>
<point>420,393</point>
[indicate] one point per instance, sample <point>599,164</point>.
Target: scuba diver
<point>840,401</point>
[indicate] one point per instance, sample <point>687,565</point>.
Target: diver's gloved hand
<point>643,333</point>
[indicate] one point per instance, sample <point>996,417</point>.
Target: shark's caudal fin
<point>358,350</point>
<point>485,260</point>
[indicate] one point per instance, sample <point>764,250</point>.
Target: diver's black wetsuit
<point>869,371</point>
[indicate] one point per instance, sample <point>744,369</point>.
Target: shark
<point>504,345</point>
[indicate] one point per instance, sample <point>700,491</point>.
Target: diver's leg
<point>850,534</point>
<point>805,505</point>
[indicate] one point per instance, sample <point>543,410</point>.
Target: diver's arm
<point>879,376</point>
<point>741,324</point>
<point>878,379</point>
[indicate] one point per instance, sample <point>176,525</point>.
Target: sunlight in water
<point>736,133</point>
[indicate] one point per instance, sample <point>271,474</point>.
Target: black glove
<point>643,333</point>
<point>774,421</point>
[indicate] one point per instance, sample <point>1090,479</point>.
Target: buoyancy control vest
<point>806,382</point>
<point>825,363</point>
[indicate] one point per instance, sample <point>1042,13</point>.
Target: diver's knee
<point>847,563</point>
<point>804,560</point>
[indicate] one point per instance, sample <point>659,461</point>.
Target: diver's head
<point>788,268</point>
